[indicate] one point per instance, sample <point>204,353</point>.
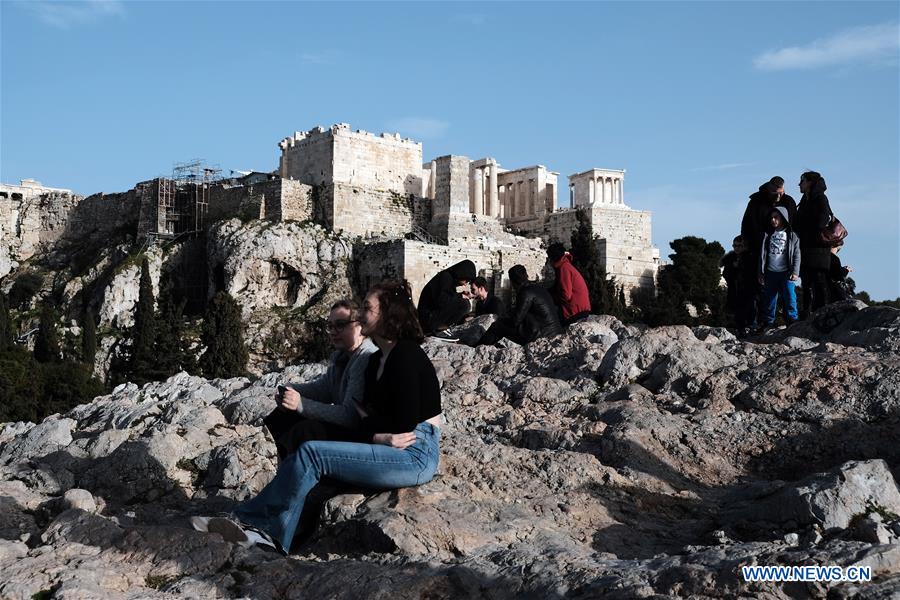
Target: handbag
<point>834,233</point>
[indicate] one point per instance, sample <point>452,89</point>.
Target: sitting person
<point>569,291</point>
<point>534,315</point>
<point>398,442</point>
<point>440,305</point>
<point>840,286</point>
<point>329,405</point>
<point>486,303</point>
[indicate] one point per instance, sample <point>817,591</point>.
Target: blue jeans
<point>778,284</point>
<point>276,509</point>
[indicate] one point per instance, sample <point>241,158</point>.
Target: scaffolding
<point>183,199</point>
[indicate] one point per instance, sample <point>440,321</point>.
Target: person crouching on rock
<point>779,267</point>
<point>330,406</point>
<point>534,315</point>
<point>401,430</point>
<point>440,305</point>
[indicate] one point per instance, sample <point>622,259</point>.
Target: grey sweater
<point>333,397</point>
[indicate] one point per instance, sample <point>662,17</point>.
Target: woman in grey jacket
<point>330,406</point>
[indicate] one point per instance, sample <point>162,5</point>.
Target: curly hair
<point>398,319</point>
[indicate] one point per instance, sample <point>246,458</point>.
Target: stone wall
<point>451,194</point>
<point>418,262</point>
<point>308,157</point>
<point>99,214</point>
<point>366,212</point>
<point>633,266</point>
<point>625,245</point>
<point>622,225</point>
<point>355,158</point>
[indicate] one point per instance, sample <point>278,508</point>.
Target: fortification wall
<point>632,266</point>
<point>622,225</point>
<point>308,157</point>
<point>356,158</point>
<point>367,212</point>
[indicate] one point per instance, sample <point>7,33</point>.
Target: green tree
<point>89,338</point>
<point>606,297</point>
<point>172,354</point>
<point>6,329</point>
<point>143,335</point>
<point>225,355</point>
<point>46,344</point>
<point>693,277</point>
<point>20,386</point>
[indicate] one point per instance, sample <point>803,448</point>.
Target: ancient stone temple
<point>419,217</point>
<point>410,218</point>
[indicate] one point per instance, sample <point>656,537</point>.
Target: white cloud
<point>723,167</point>
<point>65,15</point>
<point>872,44</point>
<point>419,127</point>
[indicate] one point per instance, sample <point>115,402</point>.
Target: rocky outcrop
<point>612,461</point>
<point>286,277</point>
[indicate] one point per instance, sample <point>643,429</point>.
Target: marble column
<point>493,193</point>
<point>478,207</point>
<point>592,191</point>
<point>622,191</point>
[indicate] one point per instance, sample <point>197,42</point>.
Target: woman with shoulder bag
<point>813,218</point>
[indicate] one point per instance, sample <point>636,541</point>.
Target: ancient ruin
<point>410,218</point>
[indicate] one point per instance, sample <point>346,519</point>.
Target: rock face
<point>284,275</point>
<point>612,461</point>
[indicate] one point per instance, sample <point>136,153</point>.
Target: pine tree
<point>143,334</point>
<point>171,354</point>
<point>88,338</point>
<point>602,290</point>
<point>692,278</point>
<point>225,355</point>
<point>46,344</point>
<point>6,337</point>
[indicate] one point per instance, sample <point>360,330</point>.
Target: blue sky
<point>699,102</point>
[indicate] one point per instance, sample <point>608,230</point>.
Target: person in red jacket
<point>569,291</point>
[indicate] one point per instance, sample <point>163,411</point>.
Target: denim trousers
<point>778,284</point>
<point>277,508</point>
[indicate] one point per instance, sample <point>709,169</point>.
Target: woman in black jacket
<point>813,216</point>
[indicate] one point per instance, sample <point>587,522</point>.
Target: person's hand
<point>793,277</point>
<point>849,269</point>
<point>290,400</point>
<point>395,440</point>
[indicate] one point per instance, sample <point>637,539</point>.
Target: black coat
<point>813,216</point>
<point>439,295</point>
<point>535,315</point>
<point>756,216</point>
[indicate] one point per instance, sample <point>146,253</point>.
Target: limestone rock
<point>610,461</point>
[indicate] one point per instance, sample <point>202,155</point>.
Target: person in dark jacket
<point>840,286</point>
<point>742,282</point>
<point>534,315</point>
<point>486,303</point>
<point>754,225</point>
<point>440,305</point>
<point>569,290</point>
<point>813,215</point>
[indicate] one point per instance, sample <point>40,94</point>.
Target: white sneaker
<point>235,532</point>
